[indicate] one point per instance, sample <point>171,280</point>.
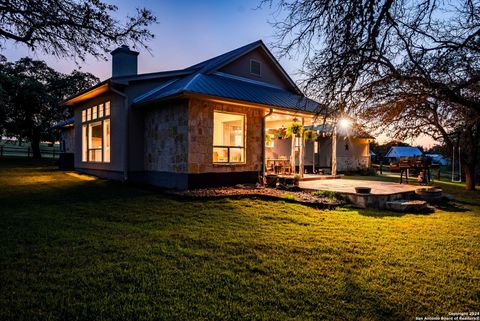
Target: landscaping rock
<point>447,197</point>
<point>414,206</point>
<point>246,190</point>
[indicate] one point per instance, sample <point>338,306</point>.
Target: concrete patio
<point>348,186</point>
<point>381,193</point>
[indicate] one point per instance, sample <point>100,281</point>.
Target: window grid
<point>96,127</point>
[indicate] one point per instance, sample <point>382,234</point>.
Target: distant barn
<point>397,152</point>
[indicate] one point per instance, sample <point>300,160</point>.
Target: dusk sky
<point>187,32</point>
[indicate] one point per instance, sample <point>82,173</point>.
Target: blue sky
<point>187,32</point>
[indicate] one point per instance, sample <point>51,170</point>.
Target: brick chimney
<point>124,62</point>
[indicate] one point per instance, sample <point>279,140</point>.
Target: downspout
<point>125,133</point>
<point>263,143</point>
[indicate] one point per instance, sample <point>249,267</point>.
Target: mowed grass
<point>79,249</point>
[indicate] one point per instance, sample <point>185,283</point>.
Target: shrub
<point>289,196</point>
<point>331,195</point>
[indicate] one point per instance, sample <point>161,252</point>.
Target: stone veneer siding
<point>166,137</point>
<point>200,139</point>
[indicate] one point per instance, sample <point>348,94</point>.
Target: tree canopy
<point>408,67</point>
<point>31,94</point>
<point>71,28</point>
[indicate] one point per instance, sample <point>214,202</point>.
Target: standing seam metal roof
<point>225,87</point>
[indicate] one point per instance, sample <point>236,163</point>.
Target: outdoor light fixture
<point>344,123</point>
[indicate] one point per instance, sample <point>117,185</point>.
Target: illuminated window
<point>228,138</point>
<point>84,143</point>
<point>106,140</point>
<point>95,142</point>
<point>96,134</point>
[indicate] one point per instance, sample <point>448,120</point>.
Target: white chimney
<point>124,62</point>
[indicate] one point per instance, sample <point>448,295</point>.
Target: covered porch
<point>299,143</point>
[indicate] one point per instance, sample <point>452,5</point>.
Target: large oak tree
<point>408,66</point>
<point>31,94</point>
<point>71,28</point>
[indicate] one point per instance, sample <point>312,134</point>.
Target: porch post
<point>292,155</point>
<point>334,151</point>
<point>301,153</point>
<point>264,132</point>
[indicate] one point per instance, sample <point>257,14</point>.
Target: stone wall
<point>200,145</point>
<point>166,137</point>
<point>356,157</point>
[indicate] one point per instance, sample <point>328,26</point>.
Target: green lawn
<point>78,249</point>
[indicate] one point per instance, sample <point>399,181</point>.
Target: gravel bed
<point>252,191</point>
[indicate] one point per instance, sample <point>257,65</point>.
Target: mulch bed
<point>256,192</point>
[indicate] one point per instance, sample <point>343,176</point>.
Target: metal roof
<point>235,88</point>
<point>64,123</point>
<point>403,151</point>
<point>204,78</point>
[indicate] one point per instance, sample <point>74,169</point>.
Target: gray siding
<point>269,73</point>
<point>117,130</point>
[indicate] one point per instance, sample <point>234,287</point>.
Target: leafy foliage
<point>31,93</point>
<point>294,130</point>
<point>69,28</point>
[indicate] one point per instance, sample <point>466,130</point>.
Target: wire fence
<point>26,151</point>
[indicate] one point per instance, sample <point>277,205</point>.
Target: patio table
<point>279,164</point>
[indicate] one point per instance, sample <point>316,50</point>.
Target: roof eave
<point>188,94</point>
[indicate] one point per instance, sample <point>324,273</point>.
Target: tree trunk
<point>35,143</point>
<point>292,156</point>
<point>470,179</point>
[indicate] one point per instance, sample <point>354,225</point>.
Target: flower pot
<point>363,190</point>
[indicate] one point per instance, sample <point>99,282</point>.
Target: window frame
<point>259,68</point>
<point>228,147</point>
<point>87,123</point>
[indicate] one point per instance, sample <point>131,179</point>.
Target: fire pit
<point>429,194</point>
<point>363,190</point>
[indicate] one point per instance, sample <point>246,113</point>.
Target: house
<point>397,152</point>
<point>202,125</point>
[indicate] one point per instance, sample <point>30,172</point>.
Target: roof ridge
<point>201,64</point>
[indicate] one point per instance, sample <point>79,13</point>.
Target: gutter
<point>125,136</point>
<point>263,143</point>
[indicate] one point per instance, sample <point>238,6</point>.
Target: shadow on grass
<point>453,207</point>
<point>379,213</point>
<point>373,306</point>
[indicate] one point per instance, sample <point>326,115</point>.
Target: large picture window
<point>96,133</point>
<point>228,138</point>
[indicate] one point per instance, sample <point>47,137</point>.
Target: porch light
<point>344,123</point>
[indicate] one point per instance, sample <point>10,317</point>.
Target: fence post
<point>53,152</point>
<point>28,152</point>
<point>1,150</point>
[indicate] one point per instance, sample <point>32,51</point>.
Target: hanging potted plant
<point>294,130</point>
<point>310,135</point>
<point>268,140</point>
<point>280,133</point>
